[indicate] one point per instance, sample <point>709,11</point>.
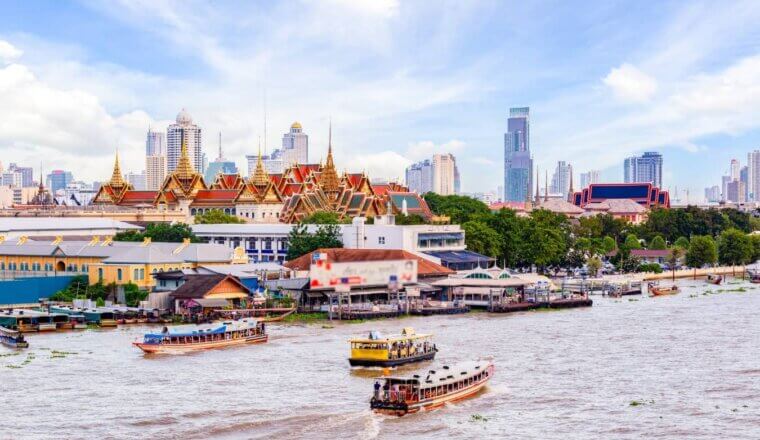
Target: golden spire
<point>117,180</point>
<point>184,168</point>
<point>260,177</point>
<point>329,178</point>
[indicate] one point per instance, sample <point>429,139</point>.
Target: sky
<point>399,80</point>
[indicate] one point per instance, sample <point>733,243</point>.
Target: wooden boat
<point>12,338</point>
<point>714,279</point>
<point>186,338</point>
<point>19,320</point>
<point>405,395</point>
<point>103,318</point>
<point>754,276</point>
<point>656,290</point>
<point>76,318</point>
<point>379,351</point>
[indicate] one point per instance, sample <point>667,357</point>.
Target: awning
<point>207,303</point>
<point>450,257</point>
<point>440,236</point>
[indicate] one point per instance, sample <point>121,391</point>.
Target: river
<point>680,367</point>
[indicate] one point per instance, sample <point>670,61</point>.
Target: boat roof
<point>443,375</point>
<point>407,334</point>
<point>216,327</point>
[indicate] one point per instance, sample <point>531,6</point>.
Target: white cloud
<point>8,52</point>
<point>630,84</point>
<point>425,149</point>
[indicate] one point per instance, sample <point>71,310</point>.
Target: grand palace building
<point>299,191</point>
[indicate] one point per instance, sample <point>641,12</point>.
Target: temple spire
<point>546,186</point>
<point>329,178</point>
<point>260,177</point>
<point>570,190</point>
<point>117,180</point>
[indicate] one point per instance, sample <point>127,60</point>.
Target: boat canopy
<point>407,334</point>
<point>444,375</point>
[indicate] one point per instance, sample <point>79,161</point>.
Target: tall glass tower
<point>518,164</point>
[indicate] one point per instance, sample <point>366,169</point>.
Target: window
<point>136,274</point>
<point>2,265</point>
<point>268,243</point>
<point>100,274</point>
<point>85,267</point>
<point>142,274</point>
<point>118,274</point>
<point>380,240</point>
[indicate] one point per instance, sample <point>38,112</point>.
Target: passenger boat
<point>76,318</point>
<point>405,395</point>
<point>61,321</point>
<point>12,338</point>
<point>656,290</point>
<point>754,276</point>
<point>103,318</point>
<point>379,351</point>
<point>714,279</point>
<point>18,320</point>
<point>201,337</point>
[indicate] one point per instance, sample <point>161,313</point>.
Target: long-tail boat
<point>12,338</point>
<point>379,351</point>
<point>405,395</point>
<point>714,279</point>
<point>656,290</point>
<point>262,315</point>
<point>185,338</point>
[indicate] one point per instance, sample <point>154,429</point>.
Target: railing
<point>14,274</point>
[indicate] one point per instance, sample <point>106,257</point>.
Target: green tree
<point>734,247</point>
<point>131,235</point>
<point>657,243</point>
<point>506,223</point>
<point>301,241</point>
<point>682,242</point>
<point>481,238</point>
<point>632,242</point>
<point>322,218</point>
<point>411,219</point>
<point>702,251</point>
<point>594,264</point>
<point>754,240</point>
<point>216,216</point>
<point>133,295</point>
<point>674,257</point>
<point>608,244</point>
<point>160,232</point>
<point>460,209</point>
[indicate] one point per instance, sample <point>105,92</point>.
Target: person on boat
<point>165,330</point>
<point>377,390</point>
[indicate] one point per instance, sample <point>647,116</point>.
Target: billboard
<point>325,275</point>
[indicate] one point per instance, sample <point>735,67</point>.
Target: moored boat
<point>379,351</point>
<point>202,337</point>
<point>657,290</point>
<point>103,318</point>
<point>19,320</point>
<point>404,395</point>
<point>12,338</point>
<point>714,279</point>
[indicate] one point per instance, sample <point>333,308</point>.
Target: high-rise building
<point>561,178</point>
<point>155,172</point>
<point>419,177</point>
<point>724,181</point>
<point>589,177</point>
<point>753,176</point>
<point>219,166</point>
<point>744,179</point>
<point>137,180</point>
<point>734,169</point>
<point>735,190</point>
<point>155,143</point>
<point>712,194</point>
<point>295,146</point>
<point>518,164</point>
<point>645,168</point>
<point>11,178</point>
<point>27,174</point>
<point>184,131</point>
<point>444,174</point>
<point>58,179</point>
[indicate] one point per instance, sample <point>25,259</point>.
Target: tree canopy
<point>216,216</point>
<point>301,241</point>
<point>632,242</point>
<point>322,218</point>
<point>160,232</point>
<point>734,247</point>
<point>460,209</point>
<point>481,238</point>
<point>702,251</point>
<point>657,243</point>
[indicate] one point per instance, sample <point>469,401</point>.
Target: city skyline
<point>651,93</point>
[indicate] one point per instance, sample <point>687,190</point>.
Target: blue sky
<point>400,81</point>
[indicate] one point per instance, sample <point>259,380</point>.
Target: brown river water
<point>692,361</point>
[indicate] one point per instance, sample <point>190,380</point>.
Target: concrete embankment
<point>696,273</point>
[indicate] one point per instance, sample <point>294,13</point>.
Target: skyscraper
<point>137,180</point>
<point>219,166</point>
<point>295,146</point>
<point>419,177</point>
<point>155,160</point>
<point>589,177</point>
<point>744,179</point>
<point>753,175</point>
<point>518,164</point>
<point>58,179</point>
<point>734,169</point>
<point>561,178</point>
<point>444,174</point>
<point>27,174</point>
<point>645,168</point>
<point>184,130</point>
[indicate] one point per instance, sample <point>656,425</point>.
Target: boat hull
<point>47,327</point>
<point>13,344</point>
<point>662,292</point>
<point>403,408</point>
<point>391,362</point>
<point>184,348</point>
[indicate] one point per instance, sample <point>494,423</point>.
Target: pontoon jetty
<point>379,351</point>
<point>404,395</point>
<point>201,337</point>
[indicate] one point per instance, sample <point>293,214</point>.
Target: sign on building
<point>325,275</point>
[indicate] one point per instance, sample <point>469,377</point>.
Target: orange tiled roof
<point>425,268</point>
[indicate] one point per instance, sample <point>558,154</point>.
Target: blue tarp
<point>459,257</point>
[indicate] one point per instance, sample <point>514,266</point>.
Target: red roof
<point>508,205</point>
<point>650,253</point>
<point>381,189</point>
<point>425,268</point>
<point>139,196</point>
<point>215,196</point>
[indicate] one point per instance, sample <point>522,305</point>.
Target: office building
<point>735,191</point>
<point>219,166</point>
<point>753,176</point>
<point>419,177</point>
<point>11,178</point>
<point>444,174</point>
<point>295,146</point>
<point>518,164</point>
<point>184,131</point>
<point>155,172</point>
<point>272,163</point>
<point>137,180</point>
<point>561,178</point>
<point>645,168</point>
<point>744,179</point>
<point>155,144</point>
<point>58,179</point>
<point>735,167</point>
<point>724,181</point>
<point>27,175</point>
<point>712,194</point>
<point>589,177</point>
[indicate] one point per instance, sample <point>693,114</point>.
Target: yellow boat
<point>379,351</point>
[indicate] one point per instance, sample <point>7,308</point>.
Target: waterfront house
<point>204,293</point>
